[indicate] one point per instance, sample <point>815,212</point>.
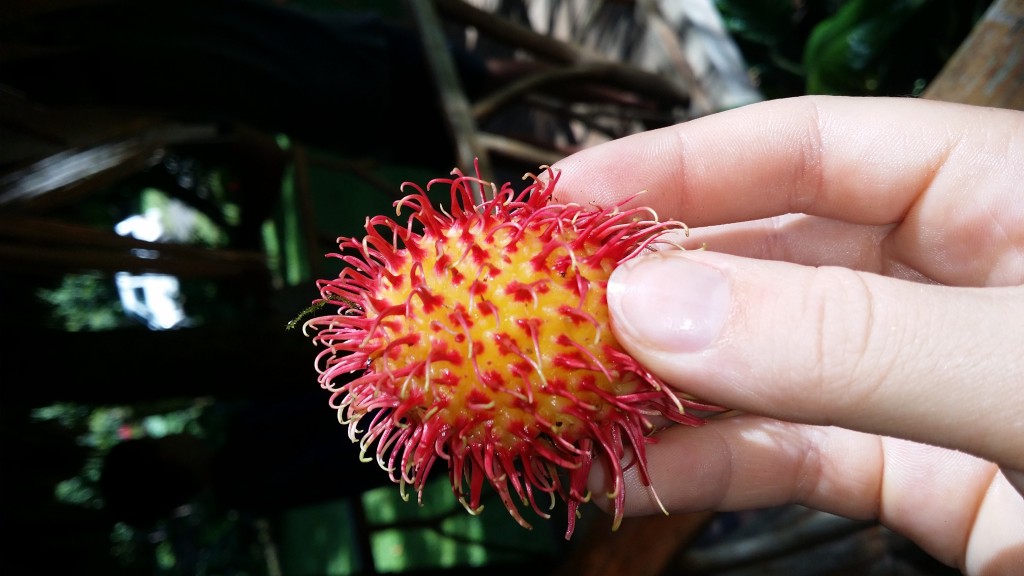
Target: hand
<point>861,301</point>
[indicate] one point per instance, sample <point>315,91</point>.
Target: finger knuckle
<point>852,351</point>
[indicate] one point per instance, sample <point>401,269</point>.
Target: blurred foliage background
<point>852,47</point>
<point>171,174</point>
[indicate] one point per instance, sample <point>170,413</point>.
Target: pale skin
<point>860,301</point>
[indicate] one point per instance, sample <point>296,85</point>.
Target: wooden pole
<point>988,68</point>
<point>453,99</point>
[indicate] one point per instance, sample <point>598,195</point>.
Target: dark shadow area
<point>250,134</point>
<point>342,79</point>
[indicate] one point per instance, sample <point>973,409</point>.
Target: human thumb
<point>830,345</point>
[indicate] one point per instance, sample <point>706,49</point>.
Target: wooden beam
<point>988,68</point>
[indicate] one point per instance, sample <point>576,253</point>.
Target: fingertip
<point>587,177</point>
<point>667,302</point>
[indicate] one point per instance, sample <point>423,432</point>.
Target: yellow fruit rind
<point>481,337</point>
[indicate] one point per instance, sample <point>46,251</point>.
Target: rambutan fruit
<point>479,335</point>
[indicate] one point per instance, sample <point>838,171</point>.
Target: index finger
<point>860,160</point>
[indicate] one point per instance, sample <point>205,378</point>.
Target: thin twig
<point>556,51</point>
